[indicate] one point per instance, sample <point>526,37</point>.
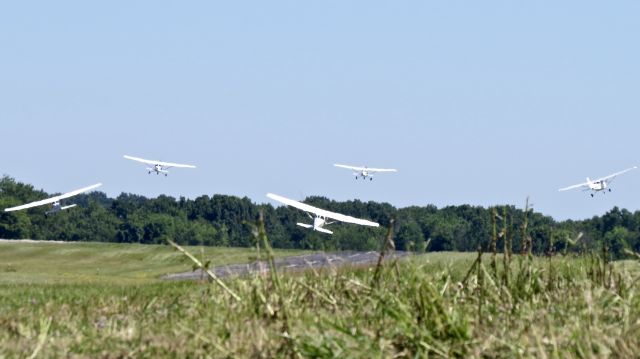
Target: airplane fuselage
<point>318,222</point>
<point>364,174</point>
<point>597,185</point>
<point>57,207</point>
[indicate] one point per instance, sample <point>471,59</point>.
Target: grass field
<point>54,302</point>
<point>75,263</point>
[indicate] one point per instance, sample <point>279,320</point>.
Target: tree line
<point>222,220</point>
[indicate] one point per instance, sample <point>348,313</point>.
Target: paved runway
<point>293,263</point>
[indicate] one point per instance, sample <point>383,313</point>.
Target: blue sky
<point>474,102</point>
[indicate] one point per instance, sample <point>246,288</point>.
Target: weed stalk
<point>203,268</point>
<point>387,243</point>
<point>494,242</point>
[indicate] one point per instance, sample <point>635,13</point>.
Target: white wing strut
<point>163,164</point>
<point>54,199</point>
<point>321,212</point>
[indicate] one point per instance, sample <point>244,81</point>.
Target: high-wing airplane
<point>598,185</point>
<point>158,166</point>
<point>365,172</point>
<point>320,217</point>
<point>57,207</point>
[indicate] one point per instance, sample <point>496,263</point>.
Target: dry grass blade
<point>45,324</point>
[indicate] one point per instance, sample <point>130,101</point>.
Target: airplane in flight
<point>365,172</point>
<point>158,166</point>
<point>57,207</point>
<point>601,184</point>
<point>320,217</point>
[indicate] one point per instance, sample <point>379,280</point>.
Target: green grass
<point>73,263</point>
<point>567,307</point>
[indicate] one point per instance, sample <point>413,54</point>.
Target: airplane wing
<point>610,177</point>
<point>355,168</point>
<point>351,167</point>
<point>53,199</point>
<point>321,212</point>
<point>152,162</point>
<point>586,184</point>
<point>382,170</point>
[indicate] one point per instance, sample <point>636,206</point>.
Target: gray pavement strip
<point>293,263</point>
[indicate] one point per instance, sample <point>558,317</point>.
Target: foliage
<point>220,220</point>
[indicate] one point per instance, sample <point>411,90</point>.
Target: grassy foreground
<point>435,305</point>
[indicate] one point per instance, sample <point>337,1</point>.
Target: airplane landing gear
<point>165,175</point>
<point>592,195</point>
<point>371,179</point>
<point>356,178</point>
<point>609,189</point>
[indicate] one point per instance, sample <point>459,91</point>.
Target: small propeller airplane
<point>365,171</point>
<point>320,217</point>
<point>598,185</point>
<point>57,207</point>
<point>158,166</point>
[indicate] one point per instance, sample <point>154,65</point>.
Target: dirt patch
<point>30,241</point>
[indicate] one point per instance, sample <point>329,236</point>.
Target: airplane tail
<point>589,180</point>
<point>320,229</point>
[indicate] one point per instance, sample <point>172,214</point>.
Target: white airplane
<point>158,166</point>
<point>57,207</point>
<point>320,217</point>
<point>598,185</point>
<point>365,171</point>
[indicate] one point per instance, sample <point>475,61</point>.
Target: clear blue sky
<point>478,102</point>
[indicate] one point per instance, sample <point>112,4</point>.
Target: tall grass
<point>435,305</point>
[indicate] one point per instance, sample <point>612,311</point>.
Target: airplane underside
<point>363,176</point>
<point>158,171</point>
<point>603,190</point>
